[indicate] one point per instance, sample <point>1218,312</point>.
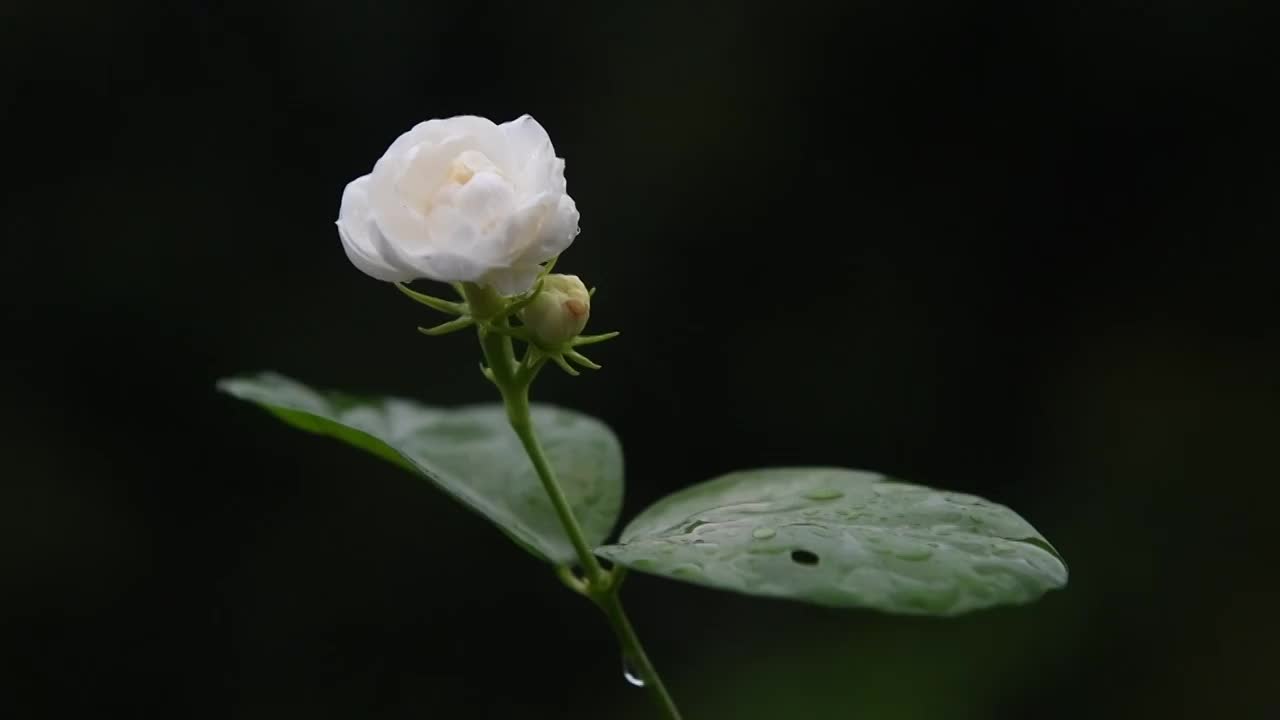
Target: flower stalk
<point>513,379</point>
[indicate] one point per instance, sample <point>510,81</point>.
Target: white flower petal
<point>542,229</point>
<point>524,225</point>
<point>527,139</point>
<point>370,264</point>
<point>555,176</point>
<point>435,132</point>
<point>512,280</point>
<point>393,256</point>
<point>454,232</point>
<point>359,233</point>
<point>403,190</point>
<point>557,231</point>
<point>445,264</point>
<point>461,199</point>
<point>454,267</point>
<point>487,199</point>
<point>425,168</point>
<point>534,161</point>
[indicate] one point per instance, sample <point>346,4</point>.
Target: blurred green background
<point>1024,250</point>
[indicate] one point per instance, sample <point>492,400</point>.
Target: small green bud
<point>559,312</point>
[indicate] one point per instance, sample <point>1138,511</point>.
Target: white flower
<point>461,199</point>
<point>560,311</point>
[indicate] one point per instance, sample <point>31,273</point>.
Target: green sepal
<point>582,340</point>
<point>581,359</point>
<point>432,302</point>
<point>455,325</point>
<point>564,364</point>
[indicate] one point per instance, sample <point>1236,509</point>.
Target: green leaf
<point>842,538</point>
<point>471,453</point>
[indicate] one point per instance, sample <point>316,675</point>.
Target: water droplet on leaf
<point>913,553</point>
<point>824,494</point>
<point>686,570</point>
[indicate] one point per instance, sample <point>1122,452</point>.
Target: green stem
<point>601,586</point>
<point>518,413</point>
<point>633,654</point>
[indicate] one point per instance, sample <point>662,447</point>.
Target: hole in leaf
<point>803,557</point>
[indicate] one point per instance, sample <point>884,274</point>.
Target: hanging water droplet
<point>763,533</point>
<point>630,674</point>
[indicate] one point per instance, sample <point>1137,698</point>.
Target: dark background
<point>1025,250</point>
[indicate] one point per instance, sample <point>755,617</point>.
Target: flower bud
<point>559,312</point>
